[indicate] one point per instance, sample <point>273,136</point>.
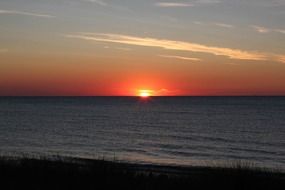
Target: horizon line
<point>135,96</point>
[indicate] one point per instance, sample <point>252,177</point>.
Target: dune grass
<point>58,172</point>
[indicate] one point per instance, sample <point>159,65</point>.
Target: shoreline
<point>72,173</point>
<point>228,164</point>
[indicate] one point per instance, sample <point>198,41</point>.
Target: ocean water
<point>157,130</point>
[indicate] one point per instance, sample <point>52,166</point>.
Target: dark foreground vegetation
<point>71,173</point>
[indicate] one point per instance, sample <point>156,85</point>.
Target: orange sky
<point>77,75</point>
<point>90,48</point>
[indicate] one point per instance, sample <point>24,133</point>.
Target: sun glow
<point>144,93</point>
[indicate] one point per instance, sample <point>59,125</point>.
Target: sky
<point>120,47</point>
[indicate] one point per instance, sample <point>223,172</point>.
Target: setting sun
<point>145,93</point>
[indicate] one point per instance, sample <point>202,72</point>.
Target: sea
<point>183,131</point>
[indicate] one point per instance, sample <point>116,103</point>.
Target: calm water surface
<point>160,130</point>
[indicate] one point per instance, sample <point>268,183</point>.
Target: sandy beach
<point>73,173</point>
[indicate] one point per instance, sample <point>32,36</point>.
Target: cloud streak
<point>180,57</point>
<point>219,24</point>
<point>177,4</point>
<point>14,12</point>
<point>208,1</point>
<point>99,2</point>
<point>172,4</point>
<point>281,58</point>
<point>260,29</point>
<point>282,31</point>
<point>123,48</point>
<point>265,30</point>
<point>170,45</point>
<point>223,25</point>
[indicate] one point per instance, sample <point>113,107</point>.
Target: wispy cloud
<point>265,30</point>
<point>223,25</point>
<point>260,29</point>
<point>165,92</point>
<point>183,4</point>
<point>219,24</point>
<point>281,58</point>
<point>118,48</point>
<point>282,31</point>
<point>123,48</point>
<point>99,2</point>
<point>158,92</point>
<point>172,4</point>
<point>198,23</point>
<point>170,45</point>
<point>112,5</point>
<point>14,12</point>
<point>208,1</point>
<point>180,57</point>
<point>266,3</point>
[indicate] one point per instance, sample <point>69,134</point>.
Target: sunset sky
<point>119,47</point>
